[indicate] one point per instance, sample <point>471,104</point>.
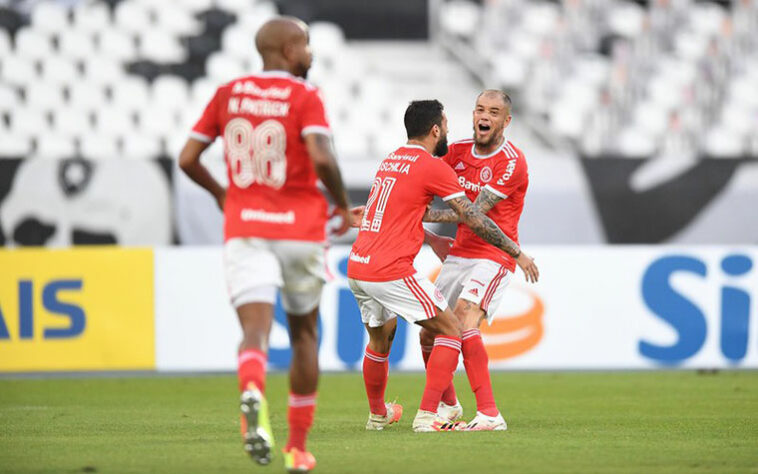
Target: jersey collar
<point>481,157</point>
<point>275,73</point>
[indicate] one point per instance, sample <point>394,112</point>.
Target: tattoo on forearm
<point>486,200</point>
<point>440,215</point>
<point>483,226</point>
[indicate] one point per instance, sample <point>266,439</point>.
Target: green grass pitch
<point>630,422</point>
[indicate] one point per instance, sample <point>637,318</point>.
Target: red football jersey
<point>272,183</point>
<point>391,233</point>
<point>505,174</point>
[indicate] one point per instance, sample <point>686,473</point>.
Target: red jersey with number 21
<point>272,190</point>
<point>391,233</point>
<point>504,173</point>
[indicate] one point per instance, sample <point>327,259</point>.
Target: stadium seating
<point>596,75</point>
<point>606,74</point>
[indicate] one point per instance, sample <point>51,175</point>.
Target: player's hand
<point>220,200</point>
<point>356,216</point>
<point>526,263</point>
<point>344,221</point>
<point>441,246</point>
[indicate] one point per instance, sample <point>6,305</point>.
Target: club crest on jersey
<point>474,291</point>
<point>438,295</point>
<point>485,175</point>
<point>460,166</point>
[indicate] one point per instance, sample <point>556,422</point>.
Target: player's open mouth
<point>483,128</point>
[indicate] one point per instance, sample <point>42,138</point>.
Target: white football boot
<point>450,412</point>
<point>482,422</point>
<point>428,421</point>
<point>379,422</point>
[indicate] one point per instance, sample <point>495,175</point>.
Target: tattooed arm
<point>485,201</point>
<point>485,228</point>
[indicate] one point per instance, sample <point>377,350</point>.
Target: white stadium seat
<point>176,21</point>
<point>140,147</point>
<point>195,5</point>
<point>50,17</point>
<point>690,45</point>
<point>722,142</point>
<point>509,70</point>
<point>652,118</point>
<point>460,17</point>
<point>238,41</point>
<point>91,17</point>
<point>131,93</point>
<point>9,98</point>
<point>626,19</point>
<point>326,39</point>
<point>132,17</point>
<point>635,143</point>
<point>14,145</point>
<point>101,70</point>
<point>169,92</point>
<point>739,117</point>
<point>202,90</point>
<point>706,18</point>
<point>18,70</point>
<point>117,44</point>
<point>114,122</point>
<point>72,123</point>
<point>5,43</point>
<point>567,120</point>
<point>161,47</point>
<point>55,146</point>
<point>43,96</point>
<point>76,44</point>
<point>86,96</point>
<point>540,18</point>
<point>59,70</point>
<point>29,122</point>
<point>223,68</point>
<point>157,123</point>
<point>33,44</point>
<point>99,147</point>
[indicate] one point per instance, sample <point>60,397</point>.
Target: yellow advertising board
<point>76,309</point>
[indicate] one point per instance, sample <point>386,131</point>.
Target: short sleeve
<point>207,128</point>
<point>314,115</point>
<point>442,181</point>
<point>510,176</point>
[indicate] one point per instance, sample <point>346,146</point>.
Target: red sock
<point>449,396</point>
<point>252,368</point>
<point>439,371</point>
<point>476,362</point>
<point>300,418</point>
<point>375,370</point>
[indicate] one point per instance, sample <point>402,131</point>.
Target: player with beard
<point>380,266</point>
<point>475,274</point>
<point>277,145</point>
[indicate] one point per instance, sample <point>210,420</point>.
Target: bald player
<point>475,274</point>
<point>277,145</point>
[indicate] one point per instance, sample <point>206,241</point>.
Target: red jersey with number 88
<point>504,173</point>
<point>391,233</point>
<point>272,190</point>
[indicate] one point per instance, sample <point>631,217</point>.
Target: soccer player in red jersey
<point>380,266</point>
<point>277,145</point>
<point>474,275</point>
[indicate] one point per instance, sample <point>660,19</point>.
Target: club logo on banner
<point>76,309</point>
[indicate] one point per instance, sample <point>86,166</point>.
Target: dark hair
<point>421,116</point>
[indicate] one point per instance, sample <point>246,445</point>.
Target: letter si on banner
<point>606,307</point>
<point>76,309</point>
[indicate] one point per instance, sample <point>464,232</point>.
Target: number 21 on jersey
<point>380,193</point>
<point>256,154</point>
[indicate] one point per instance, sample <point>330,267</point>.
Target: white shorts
<point>477,280</point>
<point>414,298</point>
<point>255,268</point>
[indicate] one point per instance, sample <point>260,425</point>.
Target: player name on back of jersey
<point>394,163</point>
<point>262,108</point>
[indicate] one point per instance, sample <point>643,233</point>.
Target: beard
<point>492,140</point>
<point>440,149</point>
